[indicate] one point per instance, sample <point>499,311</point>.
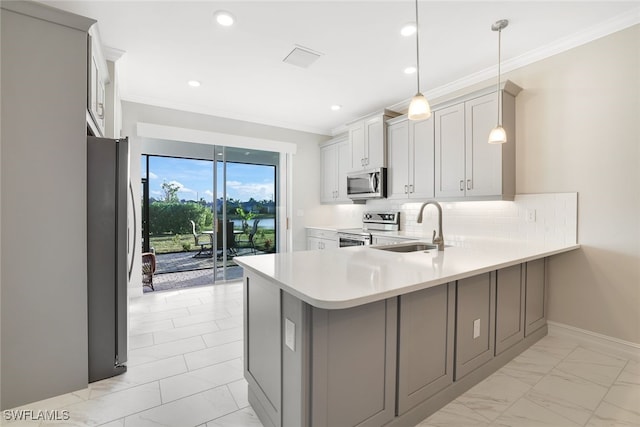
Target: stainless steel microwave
<point>368,184</point>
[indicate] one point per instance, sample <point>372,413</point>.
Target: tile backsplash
<point>548,218</point>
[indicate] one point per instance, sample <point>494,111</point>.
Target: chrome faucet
<point>439,240</point>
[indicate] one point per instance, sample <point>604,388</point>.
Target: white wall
<point>306,161</point>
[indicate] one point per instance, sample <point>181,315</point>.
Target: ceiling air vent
<point>301,57</point>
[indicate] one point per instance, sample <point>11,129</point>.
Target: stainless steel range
<point>379,221</point>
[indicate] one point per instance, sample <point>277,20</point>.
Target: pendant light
<point>498,134</point>
<point>419,108</point>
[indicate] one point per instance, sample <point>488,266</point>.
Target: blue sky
<point>195,179</point>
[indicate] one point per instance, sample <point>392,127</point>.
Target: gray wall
<point>43,283</point>
<point>306,161</point>
<point>578,130</point>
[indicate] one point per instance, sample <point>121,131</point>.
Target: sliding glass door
<point>202,213</point>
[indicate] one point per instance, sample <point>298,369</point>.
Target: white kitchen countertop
<point>352,276</point>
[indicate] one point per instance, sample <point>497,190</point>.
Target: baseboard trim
<point>616,346</point>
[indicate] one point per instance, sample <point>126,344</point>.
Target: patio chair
<point>148,269</point>
<point>205,241</point>
<point>249,242</point>
<point>231,241</point>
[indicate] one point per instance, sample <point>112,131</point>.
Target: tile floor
<point>185,369</point>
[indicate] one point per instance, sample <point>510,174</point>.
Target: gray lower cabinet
<point>353,375</point>
<point>509,307</point>
<point>425,344</point>
<point>535,311</point>
<point>262,347</point>
<point>475,317</point>
<point>391,362</point>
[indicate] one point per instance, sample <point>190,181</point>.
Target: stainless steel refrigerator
<point>108,254</point>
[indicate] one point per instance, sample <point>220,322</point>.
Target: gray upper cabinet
<point>467,167</point>
<point>475,317</point>
<point>535,309</point>
<point>509,307</point>
<point>97,81</point>
<point>368,141</point>
<point>335,162</point>
<point>411,159</point>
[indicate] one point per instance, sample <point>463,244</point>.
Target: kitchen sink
<point>407,247</point>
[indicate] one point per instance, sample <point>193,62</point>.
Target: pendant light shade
<point>498,134</point>
<point>419,108</point>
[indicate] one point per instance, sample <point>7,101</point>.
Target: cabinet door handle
<point>406,189</point>
<point>410,188</point>
<point>469,184</point>
<point>100,110</point>
<point>462,185</point>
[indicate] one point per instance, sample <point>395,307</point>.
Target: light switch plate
<point>476,328</point>
<point>290,334</point>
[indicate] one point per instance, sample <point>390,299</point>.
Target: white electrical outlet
<point>290,334</point>
<point>476,328</point>
<point>531,215</point>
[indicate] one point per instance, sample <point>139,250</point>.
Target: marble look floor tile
<point>54,402</point>
<point>525,413</point>
<point>160,315</point>
<point>147,326</point>
<point>630,374</point>
<point>230,322</point>
<point>142,374</point>
<point>199,380</point>
<point>493,395</point>
<point>116,423</point>
<point>568,395</point>
<point>453,415</point>
<point>239,390</point>
<point>141,340</point>
<point>243,418</point>
<point>531,366</point>
<point>206,317</point>
<point>558,346</point>
<point>608,415</point>
<point>223,337</point>
<point>211,356</point>
<point>189,411</point>
<point>163,351</point>
<point>625,396</point>
<point>175,334</point>
<point>158,308</point>
<point>112,406</point>
<point>593,366</point>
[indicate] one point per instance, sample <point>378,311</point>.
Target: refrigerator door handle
<point>135,230</point>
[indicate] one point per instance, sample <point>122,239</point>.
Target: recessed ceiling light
<point>408,29</point>
<point>193,83</point>
<point>336,107</point>
<point>410,70</point>
<point>224,18</point>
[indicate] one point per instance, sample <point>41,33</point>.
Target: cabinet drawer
<point>322,233</point>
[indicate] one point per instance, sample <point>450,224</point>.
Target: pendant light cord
<point>417,48</point>
<point>498,83</point>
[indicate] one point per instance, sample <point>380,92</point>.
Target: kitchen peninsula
<point>363,336</point>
